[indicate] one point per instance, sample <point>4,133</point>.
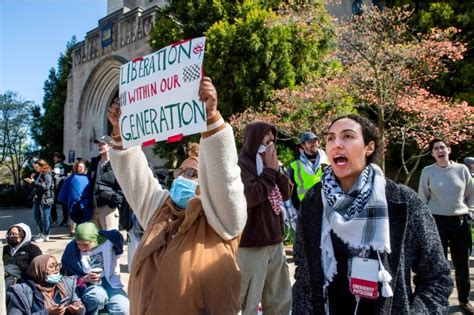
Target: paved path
<point>60,237</point>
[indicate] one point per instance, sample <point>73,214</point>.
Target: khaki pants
<point>106,218</point>
<point>265,279</point>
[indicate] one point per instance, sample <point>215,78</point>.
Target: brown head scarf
<point>38,272</point>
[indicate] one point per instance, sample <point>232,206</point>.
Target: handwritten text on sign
<point>159,94</point>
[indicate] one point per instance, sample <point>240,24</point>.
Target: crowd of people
<point>213,242</point>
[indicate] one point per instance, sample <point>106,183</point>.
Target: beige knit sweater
<point>222,191</point>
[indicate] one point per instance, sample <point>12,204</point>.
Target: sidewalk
<point>60,238</point>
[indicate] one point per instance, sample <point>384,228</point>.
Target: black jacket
<point>22,257</point>
<point>416,248</point>
<point>106,189</point>
<point>43,189</point>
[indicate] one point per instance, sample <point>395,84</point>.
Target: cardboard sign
<point>364,281</point>
<point>159,94</point>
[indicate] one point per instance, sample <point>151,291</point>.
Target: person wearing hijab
<point>18,253</point>
<point>361,237</point>
<point>185,262</point>
<point>45,292</point>
<point>93,257</point>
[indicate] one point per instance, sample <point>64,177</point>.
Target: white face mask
<point>262,148</point>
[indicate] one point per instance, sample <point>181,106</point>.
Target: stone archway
<point>98,92</point>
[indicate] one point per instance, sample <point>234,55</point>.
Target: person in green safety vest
<point>306,171</point>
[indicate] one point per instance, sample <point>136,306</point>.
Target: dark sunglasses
<point>187,173</point>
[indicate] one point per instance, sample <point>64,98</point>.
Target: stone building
<point>121,36</point>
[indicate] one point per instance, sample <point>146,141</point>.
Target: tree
<point>47,128</point>
<point>252,48</point>
<point>421,117</point>
<point>443,14</point>
<point>311,106</point>
<point>261,50</point>
<point>385,59</point>
<point>15,124</point>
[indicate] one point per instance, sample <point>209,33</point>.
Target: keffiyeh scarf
<point>359,218</point>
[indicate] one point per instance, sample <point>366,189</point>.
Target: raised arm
<point>222,191</point>
<point>141,189</point>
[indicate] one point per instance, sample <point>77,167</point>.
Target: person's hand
<point>75,307</point>
<point>208,94</point>
<point>28,180</point>
<point>57,310</point>
<point>92,277</point>
<point>113,114</point>
<point>270,158</point>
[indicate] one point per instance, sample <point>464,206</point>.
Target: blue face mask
<point>54,278</point>
<point>182,190</point>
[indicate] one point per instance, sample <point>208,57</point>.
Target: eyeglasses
<point>53,266</point>
<point>187,173</point>
<point>13,235</point>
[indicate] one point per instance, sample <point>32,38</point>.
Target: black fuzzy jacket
<point>415,245</point>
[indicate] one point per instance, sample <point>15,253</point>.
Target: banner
<point>159,94</point>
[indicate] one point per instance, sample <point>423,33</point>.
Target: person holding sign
<point>360,236</point>
<point>186,260</point>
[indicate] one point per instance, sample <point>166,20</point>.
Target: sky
<point>33,34</point>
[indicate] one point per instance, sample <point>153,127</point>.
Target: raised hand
<point>113,114</point>
<point>208,94</point>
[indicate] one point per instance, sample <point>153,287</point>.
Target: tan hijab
<point>38,272</point>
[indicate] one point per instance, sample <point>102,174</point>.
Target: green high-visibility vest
<point>303,180</point>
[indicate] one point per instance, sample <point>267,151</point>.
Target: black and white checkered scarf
<point>359,218</point>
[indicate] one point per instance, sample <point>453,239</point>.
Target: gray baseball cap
<point>308,136</point>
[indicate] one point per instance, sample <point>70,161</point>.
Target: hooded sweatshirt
<point>263,226</point>
<point>23,254</point>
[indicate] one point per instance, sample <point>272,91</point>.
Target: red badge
<point>364,282</point>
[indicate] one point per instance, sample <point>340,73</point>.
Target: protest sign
<point>159,94</point>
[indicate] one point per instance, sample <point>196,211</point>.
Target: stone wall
<point>94,80</point>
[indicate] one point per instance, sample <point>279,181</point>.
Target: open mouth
<point>441,156</point>
<point>340,160</point>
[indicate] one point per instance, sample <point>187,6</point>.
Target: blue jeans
<point>42,215</point>
<point>97,297</point>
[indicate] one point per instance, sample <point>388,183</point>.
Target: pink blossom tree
<point>384,60</point>
<point>421,117</point>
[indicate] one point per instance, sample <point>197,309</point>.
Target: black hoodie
<point>263,227</point>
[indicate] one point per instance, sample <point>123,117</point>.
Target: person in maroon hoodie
<point>261,256</point>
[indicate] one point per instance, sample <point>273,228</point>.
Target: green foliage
<point>286,154</point>
<point>175,152</point>
<point>261,50</point>
<point>15,124</point>
<point>20,197</point>
<point>48,122</point>
<point>253,48</point>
